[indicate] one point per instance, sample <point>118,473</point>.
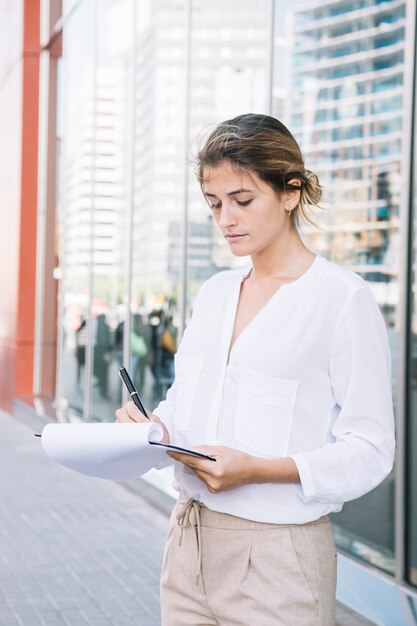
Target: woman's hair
<point>262,144</point>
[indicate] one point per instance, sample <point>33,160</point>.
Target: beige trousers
<point>226,571</point>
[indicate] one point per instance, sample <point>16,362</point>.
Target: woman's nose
<point>227,217</point>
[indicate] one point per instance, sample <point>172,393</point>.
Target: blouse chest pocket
<point>264,412</point>
<point>187,374</point>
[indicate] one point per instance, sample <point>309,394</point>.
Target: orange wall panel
<point>28,204</point>
<point>31,27</point>
<point>7,361</point>
<point>19,93</point>
<point>24,369</point>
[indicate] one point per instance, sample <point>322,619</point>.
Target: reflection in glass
<point>158,194</point>
<point>110,201</point>
<point>74,203</point>
<point>93,203</point>
<point>233,37</point>
<point>350,134</point>
<point>75,340</point>
<point>349,131</point>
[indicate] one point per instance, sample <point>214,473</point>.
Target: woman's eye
<point>245,203</point>
<point>215,206</point>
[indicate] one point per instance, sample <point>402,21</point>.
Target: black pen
<point>131,390</point>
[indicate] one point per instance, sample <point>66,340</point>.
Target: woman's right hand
<point>130,413</point>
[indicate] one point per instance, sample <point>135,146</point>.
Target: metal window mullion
<point>184,223</point>
<point>131,197</point>
<point>404,281</point>
<point>88,370</point>
<point>44,99</point>
<point>61,297</point>
<point>270,57</point>
<point>62,216</point>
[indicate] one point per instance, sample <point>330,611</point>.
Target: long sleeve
<point>360,451</point>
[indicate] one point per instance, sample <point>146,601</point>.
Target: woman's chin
<point>239,252</point>
<point>240,248</point>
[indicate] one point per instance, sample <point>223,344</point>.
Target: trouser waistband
<point>190,512</point>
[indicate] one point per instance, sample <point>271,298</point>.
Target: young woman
<point>283,374</point>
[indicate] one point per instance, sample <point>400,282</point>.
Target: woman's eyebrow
<point>231,193</point>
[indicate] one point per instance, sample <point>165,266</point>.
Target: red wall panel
<point>19,93</point>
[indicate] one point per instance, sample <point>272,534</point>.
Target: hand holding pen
<point>134,411</point>
<point>132,390</point>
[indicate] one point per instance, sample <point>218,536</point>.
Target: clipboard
<point>169,446</point>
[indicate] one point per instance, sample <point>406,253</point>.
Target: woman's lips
<point>234,237</point>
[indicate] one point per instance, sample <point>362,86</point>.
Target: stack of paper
<point>106,450</point>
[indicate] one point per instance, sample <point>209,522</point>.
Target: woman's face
<point>247,210</point>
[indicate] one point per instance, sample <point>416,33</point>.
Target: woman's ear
<point>292,196</point>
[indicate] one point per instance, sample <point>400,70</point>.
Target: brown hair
<point>262,144</point>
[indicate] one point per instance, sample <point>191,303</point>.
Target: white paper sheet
<point>106,450</point>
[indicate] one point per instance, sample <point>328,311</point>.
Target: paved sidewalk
<point>76,550</point>
<point>73,550</point>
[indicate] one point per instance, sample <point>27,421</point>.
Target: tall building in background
<point>346,111</point>
<point>93,173</point>
<point>227,75</point>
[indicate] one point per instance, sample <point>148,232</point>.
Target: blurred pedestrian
<point>139,344</point>
<point>80,346</point>
<point>168,344</point>
<point>102,353</point>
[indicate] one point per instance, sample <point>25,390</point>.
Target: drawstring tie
<point>183,519</point>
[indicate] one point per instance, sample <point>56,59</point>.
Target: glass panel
<point>350,135</point>
<point>110,202</point>
<point>158,201</point>
<point>76,187</point>
<point>158,194</point>
<point>228,77</point>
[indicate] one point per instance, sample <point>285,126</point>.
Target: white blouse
<point>308,378</point>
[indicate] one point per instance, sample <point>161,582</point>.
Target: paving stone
<point>68,543</point>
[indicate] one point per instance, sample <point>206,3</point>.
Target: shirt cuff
<point>307,490</point>
<point>167,423</point>
<point>170,428</point>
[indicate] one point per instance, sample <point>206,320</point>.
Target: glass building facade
<point>126,89</point>
<point>347,111</point>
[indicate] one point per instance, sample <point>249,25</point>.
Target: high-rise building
<point>226,75</point>
<point>346,111</point>
<point>92,184</point>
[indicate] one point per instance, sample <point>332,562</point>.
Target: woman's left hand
<point>232,468</point>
